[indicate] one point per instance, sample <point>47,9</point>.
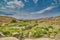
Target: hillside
<point>50,21</point>
<point>4,19</point>
<point>43,27</point>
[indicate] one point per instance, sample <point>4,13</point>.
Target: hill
<point>47,21</point>
<point>43,27</point>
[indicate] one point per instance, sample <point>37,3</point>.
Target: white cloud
<point>15,3</point>
<point>35,1</point>
<point>55,2</point>
<point>44,10</point>
<point>5,0</point>
<point>26,0</point>
<point>2,8</point>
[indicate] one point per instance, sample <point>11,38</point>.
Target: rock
<point>13,38</point>
<point>1,35</point>
<point>16,35</point>
<point>8,38</point>
<point>40,39</point>
<point>19,36</point>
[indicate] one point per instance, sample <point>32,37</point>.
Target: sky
<point>29,9</point>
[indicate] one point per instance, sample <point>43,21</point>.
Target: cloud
<point>56,2</point>
<point>5,1</point>
<point>44,10</point>
<point>35,1</point>
<point>15,3</point>
<point>18,14</point>
<point>26,0</point>
<point>2,8</point>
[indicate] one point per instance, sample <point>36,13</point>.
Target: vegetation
<point>31,28</point>
<point>33,32</point>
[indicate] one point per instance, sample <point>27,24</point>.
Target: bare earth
<point>40,39</point>
<point>8,38</point>
<point>12,38</point>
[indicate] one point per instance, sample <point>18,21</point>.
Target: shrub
<point>13,21</point>
<point>7,33</point>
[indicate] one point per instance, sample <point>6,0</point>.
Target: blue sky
<point>29,9</point>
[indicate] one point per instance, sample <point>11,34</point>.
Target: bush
<point>13,21</point>
<point>7,33</point>
<point>50,27</point>
<point>37,32</point>
<point>26,33</point>
<point>29,31</point>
